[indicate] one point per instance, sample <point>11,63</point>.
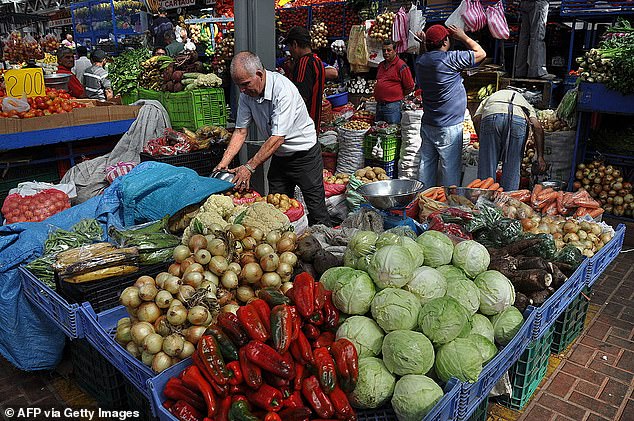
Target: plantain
<point>104,273</point>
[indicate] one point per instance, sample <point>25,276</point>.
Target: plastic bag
<point>545,249</point>
<point>473,16</point>
<point>118,169</point>
<point>354,199</point>
<point>455,18</point>
<point>34,208</point>
<point>570,255</point>
<point>497,21</point>
<point>416,24</point>
<point>357,46</point>
<point>19,105</point>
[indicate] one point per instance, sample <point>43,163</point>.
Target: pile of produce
<point>193,81</point>
<point>435,193</point>
<point>356,125</point>
<point>418,307</point>
<point>338,178</point>
<point>275,359</point>
<point>550,122</point>
<point>124,70</point>
<point>482,93</point>
<point>240,198</point>
<point>224,54</point>
<point>154,244</point>
<point>286,19</point>
<point>280,201</point>
<point>332,16</point>
<point>611,63</point>
<point>48,64</point>
<point>151,76</point>
<point>173,142</point>
<point>319,35</point>
<point>529,157</point>
<point>486,184</point>
<point>361,86</point>
<point>50,43</point>
<point>95,262</point>
<point>35,208</point>
<point>370,174</point>
<point>54,102</point>
<point>605,184</point>
<point>16,48</point>
<point>548,201</point>
<point>381,29</point>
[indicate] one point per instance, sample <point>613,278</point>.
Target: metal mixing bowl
<point>554,184</point>
<point>463,196</point>
<point>391,194</point>
<point>223,175</point>
<point>57,81</point>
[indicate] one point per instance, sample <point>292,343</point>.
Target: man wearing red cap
<point>444,101</point>
<point>393,81</point>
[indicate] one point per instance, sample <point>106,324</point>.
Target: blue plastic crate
<point>155,387</point>
<point>556,304</point>
<point>600,261</point>
<point>472,394</point>
<point>597,97</point>
<point>390,167</point>
<point>100,330</point>
<point>63,314</point>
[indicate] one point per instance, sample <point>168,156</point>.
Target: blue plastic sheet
<point>28,339</point>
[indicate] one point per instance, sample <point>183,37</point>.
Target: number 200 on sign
<point>29,82</point>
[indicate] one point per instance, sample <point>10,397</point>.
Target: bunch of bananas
<point>485,91</point>
<point>152,73</point>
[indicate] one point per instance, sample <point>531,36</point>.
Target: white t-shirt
<point>281,111</point>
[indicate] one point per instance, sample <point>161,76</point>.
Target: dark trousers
<point>303,169</point>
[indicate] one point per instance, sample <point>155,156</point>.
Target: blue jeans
<point>444,145</point>
<point>492,132</point>
<point>389,112</point>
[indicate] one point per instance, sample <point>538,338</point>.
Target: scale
<point>390,199</point>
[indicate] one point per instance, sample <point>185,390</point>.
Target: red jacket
<point>393,80</point>
<point>75,88</point>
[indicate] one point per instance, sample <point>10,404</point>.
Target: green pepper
<point>240,412</point>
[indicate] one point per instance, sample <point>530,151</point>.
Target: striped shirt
<point>309,76</point>
<point>96,82</point>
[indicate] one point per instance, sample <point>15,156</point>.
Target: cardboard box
<point>52,121</point>
<point>90,115</point>
<point>123,112</point>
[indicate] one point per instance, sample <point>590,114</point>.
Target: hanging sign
<point>60,22</point>
<point>29,82</point>
<point>175,4</point>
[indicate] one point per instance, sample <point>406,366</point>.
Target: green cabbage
<point>472,257</point>
<point>487,349</point>
<point>506,324</point>
<point>395,309</point>
<point>481,325</point>
<point>427,283</point>
<point>459,358</point>
<point>437,247</point>
<point>350,259</point>
<point>407,352</point>
<point>391,266</point>
<point>388,238</point>
<point>442,320</point>
<point>451,273</point>
<point>330,276</point>
<point>415,250</point>
<point>414,396</point>
<point>375,385</point>
<point>363,243</point>
<point>466,293</point>
<point>364,333</point>
<point>353,292</point>
<point>496,292</point>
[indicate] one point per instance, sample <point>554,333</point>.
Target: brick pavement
<point>593,381</point>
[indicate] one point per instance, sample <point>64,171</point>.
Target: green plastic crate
<point>197,108</point>
<point>528,372</point>
<point>391,145</point>
<point>150,94</point>
<point>130,97</point>
<point>481,411</point>
<point>570,324</point>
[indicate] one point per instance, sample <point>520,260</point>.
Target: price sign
<point>29,82</point>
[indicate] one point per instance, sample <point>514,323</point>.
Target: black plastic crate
<point>96,376</point>
<point>381,414</point>
<point>202,161</point>
<point>104,294</point>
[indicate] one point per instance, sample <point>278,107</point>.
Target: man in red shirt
<point>65,62</point>
<point>308,72</point>
<point>393,81</point>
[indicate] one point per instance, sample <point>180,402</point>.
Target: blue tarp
<point>28,339</point>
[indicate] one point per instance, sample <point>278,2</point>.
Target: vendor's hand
<point>242,178</point>
<point>541,164</point>
<point>456,33</point>
<point>421,35</point>
<point>222,166</point>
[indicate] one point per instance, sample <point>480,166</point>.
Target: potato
<point>360,173</point>
<point>378,170</point>
<point>370,175</point>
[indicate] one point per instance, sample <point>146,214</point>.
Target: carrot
<point>476,181</point>
<point>544,193</point>
<point>500,190</point>
<point>551,209</point>
<point>581,211</point>
<point>547,198</point>
<point>441,196</point>
<point>536,191</point>
<point>494,186</point>
<point>487,183</point>
<point>595,212</point>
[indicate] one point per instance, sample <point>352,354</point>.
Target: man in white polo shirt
<point>274,104</point>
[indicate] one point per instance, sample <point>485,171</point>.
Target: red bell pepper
<point>297,322</point>
<point>227,348</point>
<point>266,397</point>
<point>331,313</point>
<point>326,372</point>
<point>177,391</point>
<point>347,362</point>
<point>273,296</point>
<point>320,296</point>
<point>272,416</point>
<point>231,326</point>
<point>294,400</point>
<point>300,413</point>
<point>304,349</point>
<point>317,398</point>
<point>210,356</point>
<point>341,404</point>
<point>311,331</point>
<point>304,294</point>
<point>275,380</point>
<point>194,379</point>
<point>281,327</point>
<point>168,403</point>
<point>300,372</point>
<point>251,323</point>
<point>221,390</point>
<point>325,340</point>
<point>317,318</point>
<point>235,373</point>
<point>268,359</point>
<point>224,405</point>
<point>185,412</point>
<point>264,312</point>
<point>252,373</point>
